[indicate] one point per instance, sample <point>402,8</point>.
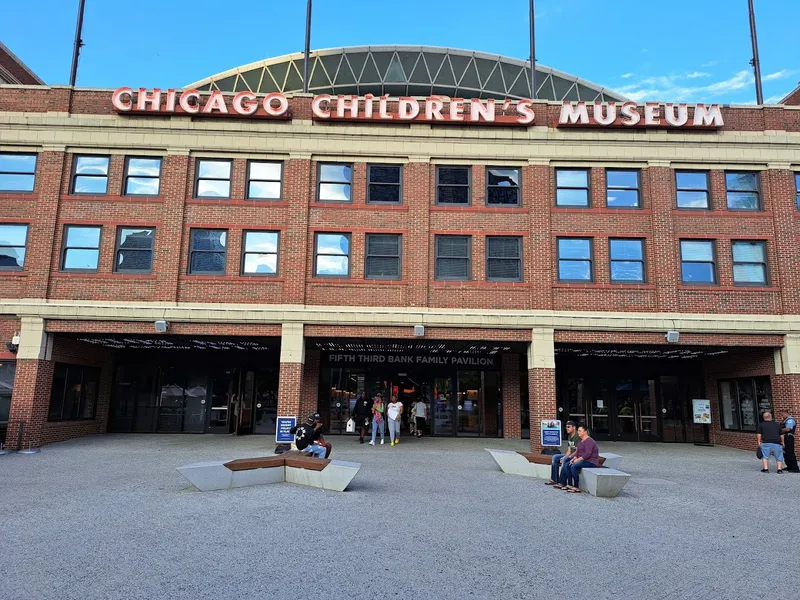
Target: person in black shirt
<point>770,440</point>
<point>788,427</point>
<point>308,437</point>
<point>362,414</point>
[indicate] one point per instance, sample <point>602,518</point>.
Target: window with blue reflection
<point>627,260</point>
<point>698,264</point>
<point>213,179</point>
<point>692,189</point>
<point>142,176</point>
<point>742,191</point>
<point>90,175</point>
<point>13,243</point>
<point>264,180</point>
<point>749,263</point>
<point>574,259</point>
<point>622,189</point>
<point>260,253</point>
<point>17,172</point>
<point>332,255</point>
<point>335,182</point>
<point>572,187</point>
<point>81,248</point>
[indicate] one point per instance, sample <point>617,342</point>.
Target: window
<point>742,191</point>
<point>7,371</point>
<point>697,262</point>
<point>13,243</point>
<point>260,253</point>
<point>797,189</point>
<point>213,179</point>
<point>502,186</point>
<point>134,253</point>
<point>384,184</point>
<point>572,187</point>
<point>142,176</point>
<point>332,255</point>
<point>452,185</point>
<point>627,260</point>
<point>74,393</point>
<point>383,256</point>
<point>335,183</point>
<point>743,402</point>
<point>90,175</point>
<point>264,180</point>
<point>622,189</point>
<point>81,248</point>
<point>208,251</point>
<point>575,259</point>
<point>17,172</point>
<point>453,258</point>
<point>692,189</point>
<point>749,263</point>
<point>503,259</point>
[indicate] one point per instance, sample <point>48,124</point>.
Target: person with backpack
<point>377,418</point>
<point>308,437</point>
<point>362,413</point>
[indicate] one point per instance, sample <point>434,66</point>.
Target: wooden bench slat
<point>546,459</point>
<point>303,462</point>
<point>248,464</point>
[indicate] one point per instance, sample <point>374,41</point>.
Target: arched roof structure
<point>406,71</point>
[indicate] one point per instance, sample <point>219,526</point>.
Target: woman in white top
<point>393,411</point>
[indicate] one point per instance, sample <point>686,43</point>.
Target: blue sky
<point>686,50</point>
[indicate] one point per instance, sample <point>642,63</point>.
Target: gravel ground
<point>109,517</point>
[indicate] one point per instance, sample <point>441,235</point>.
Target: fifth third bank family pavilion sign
<point>433,110</point>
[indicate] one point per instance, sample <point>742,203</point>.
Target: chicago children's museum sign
<point>433,109</point>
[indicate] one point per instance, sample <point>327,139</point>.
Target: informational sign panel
<point>283,433</point>
<point>551,433</point>
<point>702,411</point>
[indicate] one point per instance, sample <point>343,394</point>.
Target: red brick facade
<point>298,217</point>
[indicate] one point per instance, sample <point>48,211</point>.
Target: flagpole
<point>308,47</point>
<point>533,51</point>
<point>78,43</point>
<point>755,61</point>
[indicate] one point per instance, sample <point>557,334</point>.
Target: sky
<point>670,50</point>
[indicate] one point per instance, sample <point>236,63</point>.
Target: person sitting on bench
<point>561,461</point>
<point>308,437</point>
<point>587,457</point>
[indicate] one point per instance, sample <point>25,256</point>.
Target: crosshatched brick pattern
<point>512,426</point>
<point>542,399</point>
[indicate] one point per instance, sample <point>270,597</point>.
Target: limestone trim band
<point>401,316</point>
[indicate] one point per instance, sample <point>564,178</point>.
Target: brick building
<point>166,269</point>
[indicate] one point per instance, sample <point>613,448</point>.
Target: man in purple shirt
<point>587,456</point>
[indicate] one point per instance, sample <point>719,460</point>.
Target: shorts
<point>775,449</point>
<point>420,423</point>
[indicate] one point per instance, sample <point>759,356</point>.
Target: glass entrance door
<point>443,413</point>
<point>222,400</point>
<point>266,400</point>
<point>634,407</point>
<point>625,410</point>
<point>469,401</point>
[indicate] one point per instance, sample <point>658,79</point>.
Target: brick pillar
<point>30,399</point>
<point>662,252</point>
<point>290,377</point>
<point>512,425</point>
<point>42,230</point>
<point>779,190</point>
<point>418,180</point>
<point>169,257</point>
<point>309,400</point>
<point>537,197</point>
<point>298,187</point>
<point>541,382</point>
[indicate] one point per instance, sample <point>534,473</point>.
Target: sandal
<point>780,470</point>
<point>551,482</point>
<point>574,491</point>
<point>558,486</point>
<point>765,470</point>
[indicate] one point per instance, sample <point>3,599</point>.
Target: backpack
<point>303,436</point>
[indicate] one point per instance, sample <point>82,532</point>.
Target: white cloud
<point>697,75</point>
<point>773,99</point>
<point>671,89</point>
<point>777,75</point>
<point>626,75</point>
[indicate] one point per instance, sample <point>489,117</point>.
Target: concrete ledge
<point>612,461</point>
<point>334,475</point>
<point>515,463</point>
<point>604,483</point>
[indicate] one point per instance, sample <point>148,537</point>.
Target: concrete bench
<point>291,467</point>
<point>528,464</point>
<point>602,482</point>
<point>611,460</point>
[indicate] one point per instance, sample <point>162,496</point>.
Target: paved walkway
<point>109,517</point>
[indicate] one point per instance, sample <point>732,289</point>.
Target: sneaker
<point>780,470</point>
<point>360,441</point>
<point>391,443</point>
<point>381,442</point>
<point>397,441</point>
<point>371,443</point>
<point>765,470</point>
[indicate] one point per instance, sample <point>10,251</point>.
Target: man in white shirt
<point>393,411</point>
<point>420,415</point>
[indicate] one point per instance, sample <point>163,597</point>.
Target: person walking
<point>420,415</point>
<point>788,427</point>
<point>770,440</point>
<point>377,418</point>
<point>362,412</point>
<point>394,412</point>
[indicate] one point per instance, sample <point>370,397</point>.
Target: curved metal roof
<point>406,71</point>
